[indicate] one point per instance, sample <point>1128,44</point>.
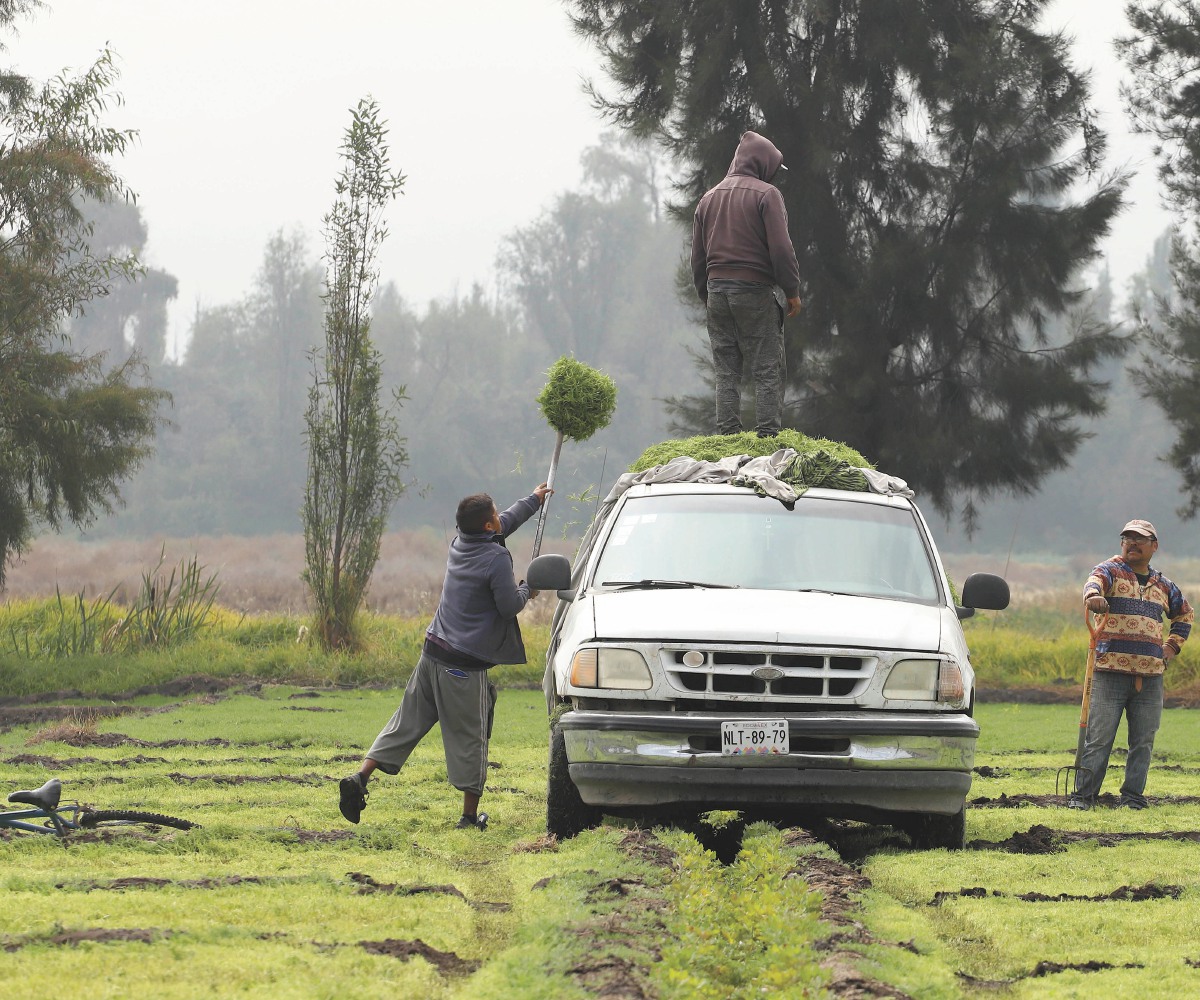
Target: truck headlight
<point>913,680</point>
<point>925,680</point>
<point>610,667</point>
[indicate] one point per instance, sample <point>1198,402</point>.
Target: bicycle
<point>63,819</point>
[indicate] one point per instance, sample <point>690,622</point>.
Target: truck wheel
<point>929,831</point>
<point>566,813</point>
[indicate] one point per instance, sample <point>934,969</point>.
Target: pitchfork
<point>1068,777</point>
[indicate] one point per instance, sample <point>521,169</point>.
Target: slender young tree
<point>1163,100</point>
<point>936,149</point>
<point>356,456</point>
<point>71,429</point>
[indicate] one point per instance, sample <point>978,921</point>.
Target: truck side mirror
<point>550,572</point>
<point>985,590</point>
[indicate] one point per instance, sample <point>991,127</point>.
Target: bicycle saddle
<point>47,796</point>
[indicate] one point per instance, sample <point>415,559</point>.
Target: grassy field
<point>277,896</point>
<point>245,728</point>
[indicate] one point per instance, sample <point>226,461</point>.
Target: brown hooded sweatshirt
<point>741,225</point>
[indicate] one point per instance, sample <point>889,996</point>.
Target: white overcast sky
<point>241,106</point>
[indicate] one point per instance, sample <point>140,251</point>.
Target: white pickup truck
<point>714,649</point>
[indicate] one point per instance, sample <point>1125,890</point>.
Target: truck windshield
<point>836,546</point>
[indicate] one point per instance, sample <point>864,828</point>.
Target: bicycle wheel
<point>129,817</point>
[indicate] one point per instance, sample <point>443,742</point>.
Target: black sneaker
<point>352,797</point>
<point>472,822</point>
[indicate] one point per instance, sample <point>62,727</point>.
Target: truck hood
<point>757,616</point>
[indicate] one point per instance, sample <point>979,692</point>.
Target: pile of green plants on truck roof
<point>714,447</point>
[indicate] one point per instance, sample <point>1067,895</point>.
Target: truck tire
<point>930,831</point>
<point>566,813</point>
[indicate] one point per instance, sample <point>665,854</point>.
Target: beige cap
<point>1140,527</point>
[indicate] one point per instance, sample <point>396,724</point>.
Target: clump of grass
<point>58,629</point>
<point>78,729</point>
<point>577,400</point>
<point>713,448</point>
<point>168,609</point>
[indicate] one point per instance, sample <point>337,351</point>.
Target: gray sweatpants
<point>463,701</point>
<point>745,329</point>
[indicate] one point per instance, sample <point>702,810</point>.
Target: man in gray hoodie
<point>745,271</point>
<point>474,628</point>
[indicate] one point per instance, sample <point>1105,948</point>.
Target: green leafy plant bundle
<point>577,400</point>
<point>713,448</point>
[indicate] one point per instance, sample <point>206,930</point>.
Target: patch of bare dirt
<point>40,715</point>
<point>180,687</point>
<point>547,843</point>
<point>446,962</point>
<point>612,977</point>
<point>249,779</point>
<point>367,885</point>
<point>1123,894</point>
<point>320,836</point>
<point>142,882</point>
<point>840,886</point>
<point>645,846</point>
<point>627,919</point>
<point>147,935</point>
<point>1039,839</point>
<point>1108,799</point>
<point>1044,969</point>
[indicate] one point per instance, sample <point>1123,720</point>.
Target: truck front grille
<point>768,674</point>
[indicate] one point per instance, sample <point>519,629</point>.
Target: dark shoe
<point>1074,803</point>
<point>352,797</point>
<point>1128,802</point>
<point>472,822</point>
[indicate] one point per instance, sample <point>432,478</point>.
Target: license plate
<point>762,737</point>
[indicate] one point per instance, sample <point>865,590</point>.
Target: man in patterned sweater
<point>1131,655</point>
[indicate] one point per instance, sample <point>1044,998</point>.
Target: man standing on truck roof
<point>745,270</point>
<point>474,628</point>
<point>1131,655</point>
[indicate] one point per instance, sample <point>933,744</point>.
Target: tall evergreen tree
<point>1163,100</point>
<point>70,429</point>
<point>355,454</point>
<point>935,148</point>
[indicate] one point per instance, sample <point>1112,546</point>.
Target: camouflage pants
<point>745,330</point>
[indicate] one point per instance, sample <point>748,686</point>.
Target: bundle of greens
<point>715,447</point>
<point>577,400</point>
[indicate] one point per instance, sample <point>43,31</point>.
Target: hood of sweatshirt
<point>756,156</point>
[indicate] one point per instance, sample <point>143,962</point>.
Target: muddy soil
<point>367,886</point>
<point>1107,799</point>
<point>840,886</point>
<point>1123,894</point>
<point>1040,839</point>
<point>146,935</point>
<point>446,962</point>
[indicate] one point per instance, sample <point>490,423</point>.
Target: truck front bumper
<point>854,764</point>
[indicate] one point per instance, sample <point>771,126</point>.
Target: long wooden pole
<point>537,538</point>
<point>1093,625</point>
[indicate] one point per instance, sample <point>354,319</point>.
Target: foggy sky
<point>241,106</point>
